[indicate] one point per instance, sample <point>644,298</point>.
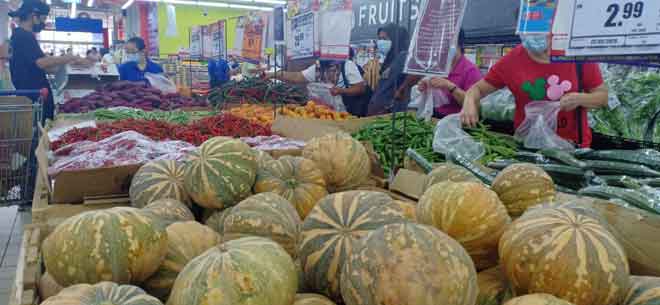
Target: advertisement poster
<point>301,41</point>
<point>335,34</point>
<point>434,40</point>
<point>536,16</point>
<point>218,39</point>
<point>278,24</point>
<point>253,39</point>
<point>195,42</point>
<point>369,15</point>
<point>237,48</point>
<point>207,41</point>
<point>152,22</point>
<point>298,7</point>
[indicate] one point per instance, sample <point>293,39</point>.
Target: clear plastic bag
<point>161,82</point>
<point>425,102</point>
<point>320,93</point>
<point>125,148</point>
<point>499,106</point>
<point>450,138</point>
<point>539,129</point>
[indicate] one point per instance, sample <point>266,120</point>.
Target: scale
<point>69,81</point>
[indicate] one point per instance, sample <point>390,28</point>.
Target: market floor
<point>11,232</point>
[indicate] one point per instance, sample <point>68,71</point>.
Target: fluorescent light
<point>127,4</point>
<point>49,2</point>
<point>279,2</point>
<point>211,4</point>
<point>74,7</point>
<point>90,3</point>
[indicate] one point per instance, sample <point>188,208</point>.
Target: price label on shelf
<point>614,27</point>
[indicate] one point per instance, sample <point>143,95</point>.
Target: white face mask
<point>133,57</point>
<point>383,47</point>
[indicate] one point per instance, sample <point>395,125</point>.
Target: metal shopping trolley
<point>20,115</point>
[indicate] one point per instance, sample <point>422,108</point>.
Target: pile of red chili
<point>195,133</point>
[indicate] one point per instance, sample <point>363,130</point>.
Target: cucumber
<point>475,169</point>
<point>501,164</point>
<point>647,157</point>
<point>420,160</point>
<point>622,181</point>
<point>565,190</point>
<point>633,197</point>
<point>566,176</point>
<point>652,182</point>
<point>620,168</point>
<point>531,157</point>
<point>562,157</point>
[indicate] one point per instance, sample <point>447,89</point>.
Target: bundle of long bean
<point>177,116</point>
<point>257,91</point>
<point>497,146</point>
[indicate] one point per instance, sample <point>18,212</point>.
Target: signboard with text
<point>434,37</point>
<point>196,42</point>
<point>301,40</point>
<point>253,38</point>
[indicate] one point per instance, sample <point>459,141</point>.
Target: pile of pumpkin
<point>297,230</point>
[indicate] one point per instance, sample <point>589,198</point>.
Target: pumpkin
<point>566,252</point>
<point>331,231</point>
<point>169,211</point>
<point>296,179</point>
<point>644,290</point>
<point>162,179</point>
<point>312,299</point>
<point>267,215</point>
<point>468,212</point>
<point>493,287</point>
<point>409,263</point>
<point>523,185</point>
<point>102,293</point>
<point>221,173</point>
<point>537,299</point>
<point>185,241</point>
<point>250,270</point>
<point>48,287</point>
<point>449,172</point>
<point>217,220</point>
<point>301,276</point>
<point>408,208</point>
<point>262,157</point>
<point>121,245</point>
<point>343,160</point>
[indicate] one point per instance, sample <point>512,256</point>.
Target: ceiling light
<point>212,4</point>
<point>90,3</point>
<point>279,2</point>
<point>49,2</point>
<point>74,7</point>
<point>127,4</point>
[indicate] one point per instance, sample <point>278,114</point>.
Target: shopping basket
<point>19,135</point>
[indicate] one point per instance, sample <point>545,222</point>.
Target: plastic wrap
<point>161,83</point>
<point>539,129</point>
<point>450,138</point>
<point>273,142</point>
<point>320,93</point>
<point>499,106</point>
<point>125,148</point>
<point>56,133</point>
<point>425,102</point>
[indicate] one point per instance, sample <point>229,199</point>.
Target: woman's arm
<point>595,98</point>
<point>353,90</point>
<point>291,77</point>
<point>470,112</point>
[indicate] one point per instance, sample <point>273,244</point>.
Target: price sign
<point>301,41</point>
<point>614,27</point>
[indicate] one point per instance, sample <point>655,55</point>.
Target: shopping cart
<point>20,115</point>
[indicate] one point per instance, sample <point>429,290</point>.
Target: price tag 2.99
<point>615,27</point>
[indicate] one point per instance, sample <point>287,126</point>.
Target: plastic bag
<point>124,148</point>
<point>499,106</point>
<point>55,133</point>
<point>425,102</point>
<point>320,93</point>
<point>450,138</point>
<point>539,129</point>
<point>160,82</point>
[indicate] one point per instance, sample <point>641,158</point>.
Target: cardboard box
<point>409,183</point>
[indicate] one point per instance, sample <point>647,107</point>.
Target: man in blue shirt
<point>219,72</point>
<point>136,62</point>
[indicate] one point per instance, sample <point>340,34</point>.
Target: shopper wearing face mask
<point>529,74</point>
<point>28,64</point>
<point>136,63</point>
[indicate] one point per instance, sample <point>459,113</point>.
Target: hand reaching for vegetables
<point>470,114</point>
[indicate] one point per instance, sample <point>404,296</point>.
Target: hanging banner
<point>607,31</point>
<point>152,21</point>
<point>218,39</point>
<point>301,41</point>
<point>434,40</point>
<point>207,42</point>
<point>334,30</point>
<point>298,7</point>
<point>237,48</point>
<point>369,15</point>
<point>253,38</point>
<point>278,24</point>
<point>196,42</point>
<point>536,16</point>
<point>171,21</point>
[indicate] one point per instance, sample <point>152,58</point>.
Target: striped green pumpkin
<point>246,271</point>
<point>156,180</point>
<point>297,179</point>
<point>169,211</point>
<point>312,299</point>
<point>103,293</point>
<point>185,241</point>
<point>566,252</point>
<point>408,263</point>
<point>333,228</point>
<point>343,160</point>
<point>121,245</point>
<point>217,220</point>
<point>449,172</point>
<point>644,290</point>
<point>221,173</point>
<point>468,212</point>
<point>494,289</point>
<point>537,299</point>
<point>262,157</point>
<point>267,215</point>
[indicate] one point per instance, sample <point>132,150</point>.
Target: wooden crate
<point>29,268</point>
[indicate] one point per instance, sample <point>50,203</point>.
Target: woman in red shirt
<point>529,74</point>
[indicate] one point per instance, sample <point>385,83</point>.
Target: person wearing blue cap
<point>28,64</point>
